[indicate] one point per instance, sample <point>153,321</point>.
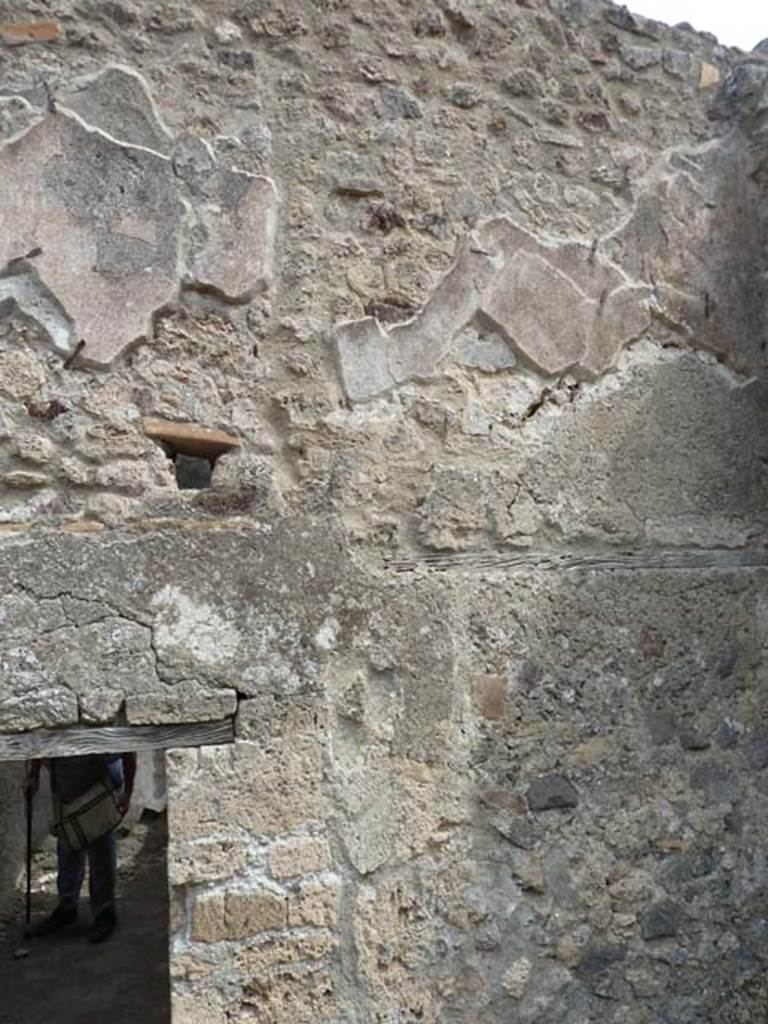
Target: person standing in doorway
<point>70,778</point>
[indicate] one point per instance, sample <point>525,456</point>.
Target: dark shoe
<point>60,918</point>
<point>102,928</point>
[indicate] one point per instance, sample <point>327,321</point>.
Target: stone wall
<point>466,306</point>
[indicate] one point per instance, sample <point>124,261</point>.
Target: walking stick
<point>30,798</point>
<point>23,951</point>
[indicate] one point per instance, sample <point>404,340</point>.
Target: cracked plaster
<point>91,186</point>
<point>685,255</point>
<point>559,307</point>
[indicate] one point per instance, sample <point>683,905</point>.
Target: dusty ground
<point>67,981</point>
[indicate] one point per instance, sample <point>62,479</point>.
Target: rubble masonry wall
<point>468,303</point>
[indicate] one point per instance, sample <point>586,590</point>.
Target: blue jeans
<point>102,866</point>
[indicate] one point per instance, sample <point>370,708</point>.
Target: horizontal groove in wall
<point>567,561</point>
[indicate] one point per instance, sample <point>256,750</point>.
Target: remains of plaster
<point>559,306</point>
<point>91,188</point>
<point>563,307</point>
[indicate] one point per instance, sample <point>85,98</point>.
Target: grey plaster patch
<point>90,187</point>
<point>363,359</point>
<point>23,291</point>
<point>564,307</point>
<point>107,219</point>
<point>194,162</point>
<point>117,101</point>
<point>695,236</point>
<point>239,225</point>
<point>483,350</point>
<point>541,311</point>
<point>16,114</point>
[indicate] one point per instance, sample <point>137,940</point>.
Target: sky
<point>742,23</point>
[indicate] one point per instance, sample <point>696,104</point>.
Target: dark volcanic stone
<point>401,104</point>
<point>599,959</point>
<point>692,739</point>
<point>552,792</point>
<point>719,781</point>
<point>734,823</point>
<point>623,18</point>
<point>661,921</point>
<point>758,749</point>
<point>515,828</point>
<point>728,735</point>
<point>727,662</point>
<point>661,726</point>
<point>464,96</point>
<point>238,60</point>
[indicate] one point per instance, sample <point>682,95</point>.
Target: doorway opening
<point>63,976</point>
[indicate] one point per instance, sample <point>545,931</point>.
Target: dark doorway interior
<point>66,980</point>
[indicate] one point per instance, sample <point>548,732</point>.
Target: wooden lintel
<point>22,746</point>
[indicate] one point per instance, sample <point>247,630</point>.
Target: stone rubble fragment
<point>709,75</point>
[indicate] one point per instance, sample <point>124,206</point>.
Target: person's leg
<point>71,871</point>
<point>102,864</point>
<point>102,872</point>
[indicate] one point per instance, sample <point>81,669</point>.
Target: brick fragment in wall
<point>237,915</point>
<point>709,75</point>
<point>18,33</point>
<point>190,438</point>
<point>489,695</point>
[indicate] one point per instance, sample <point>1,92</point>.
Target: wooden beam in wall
<point>22,746</point>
